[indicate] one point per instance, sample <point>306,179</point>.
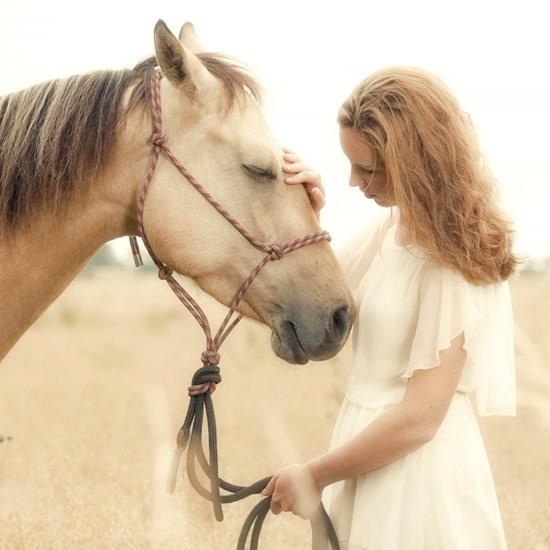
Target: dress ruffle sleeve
<point>449,306</point>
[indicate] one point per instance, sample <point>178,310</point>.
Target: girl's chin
<point>383,202</point>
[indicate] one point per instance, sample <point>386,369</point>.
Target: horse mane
<point>57,136</point>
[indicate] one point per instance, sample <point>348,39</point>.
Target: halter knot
<point>159,140</point>
<point>275,252</point>
<point>164,273</point>
<point>205,379</point>
<point>210,357</point>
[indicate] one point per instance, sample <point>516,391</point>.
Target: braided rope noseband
<point>208,376</point>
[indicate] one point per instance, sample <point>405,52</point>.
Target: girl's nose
<point>354,180</point>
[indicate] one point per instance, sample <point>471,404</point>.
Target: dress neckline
<point>390,241</point>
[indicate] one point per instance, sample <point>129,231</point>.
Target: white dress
<point>440,496</point>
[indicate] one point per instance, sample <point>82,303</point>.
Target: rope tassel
<point>190,437</point>
<point>136,253</point>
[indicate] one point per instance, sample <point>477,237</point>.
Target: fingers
<point>306,176</point>
<point>291,157</point>
<point>292,489</point>
<point>313,187</point>
<point>269,488</point>
<point>298,172</point>
<point>278,506</point>
<point>295,167</point>
<point>317,199</point>
<point>315,192</point>
<point>275,500</point>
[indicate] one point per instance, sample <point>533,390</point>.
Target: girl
<point>433,340</point>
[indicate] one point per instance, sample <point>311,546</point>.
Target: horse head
<point>212,119</point>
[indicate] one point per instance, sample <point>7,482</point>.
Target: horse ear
<point>179,65</point>
<point>188,37</point>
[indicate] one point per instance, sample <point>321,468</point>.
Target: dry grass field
<point>94,393</point>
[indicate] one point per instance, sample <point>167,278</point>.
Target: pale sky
<point>493,55</point>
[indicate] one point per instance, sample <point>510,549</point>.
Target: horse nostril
<point>340,323</point>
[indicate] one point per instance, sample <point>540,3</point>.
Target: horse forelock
<point>57,136</point>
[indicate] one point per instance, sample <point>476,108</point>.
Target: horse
<point>73,157</point>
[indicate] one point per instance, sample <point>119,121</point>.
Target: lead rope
<point>207,377</point>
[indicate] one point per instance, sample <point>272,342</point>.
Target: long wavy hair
<point>434,166</point>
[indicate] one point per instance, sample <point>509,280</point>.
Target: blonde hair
<point>435,168</point>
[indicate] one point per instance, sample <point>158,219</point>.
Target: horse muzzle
<point>300,336</point>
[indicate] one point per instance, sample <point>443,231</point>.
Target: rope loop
<point>275,252</point>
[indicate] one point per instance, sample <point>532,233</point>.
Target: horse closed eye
<point>258,174</point>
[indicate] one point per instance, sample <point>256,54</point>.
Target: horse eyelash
<point>258,173</point>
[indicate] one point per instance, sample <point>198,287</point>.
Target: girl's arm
<point>399,431</point>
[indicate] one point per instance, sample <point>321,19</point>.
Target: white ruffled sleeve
<point>449,306</point>
<point>358,251</point>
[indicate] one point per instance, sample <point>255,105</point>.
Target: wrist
<point>317,472</point>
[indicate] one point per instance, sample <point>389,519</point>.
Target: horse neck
<point>39,262</point>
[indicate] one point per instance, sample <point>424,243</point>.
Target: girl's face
<point>371,179</point>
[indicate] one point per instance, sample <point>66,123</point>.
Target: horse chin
<point>287,346</point>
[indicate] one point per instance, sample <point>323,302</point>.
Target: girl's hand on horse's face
<point>297,172</point>
<point>293,489</point>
